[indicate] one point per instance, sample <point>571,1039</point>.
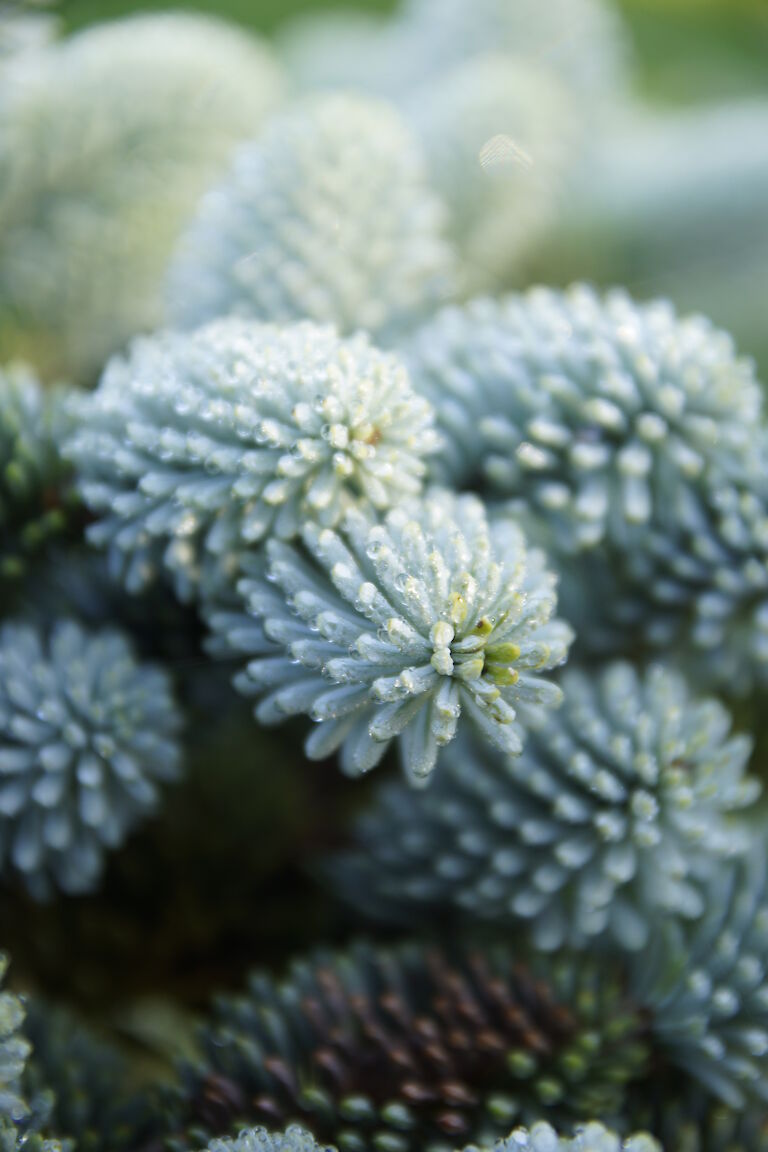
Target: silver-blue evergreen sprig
<point>35,490</point>
<point>705,985</point>
<point>593,408</point>
<point>694,582</point>
<point>327,217</point>
<point>631,438</point>
<point>14,1050</point>
<point>86,735</point>
<point>618,808</point>
<point>293,1139</point>
<point>397,1050</point>
<point>196,445</point>
<point>135,118</point>
<point>591,1137</point>
<point>394,628</point>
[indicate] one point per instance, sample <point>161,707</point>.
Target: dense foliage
<point>297,472</point>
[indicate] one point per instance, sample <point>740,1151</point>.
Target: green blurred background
<point>685,50</point>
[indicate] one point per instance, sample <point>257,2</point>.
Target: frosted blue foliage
<point>701,575</point>
<point>706,986</point>
<point>135,118</point>
<point>696,589</point>
<point>594,408</point>
<point>395,628</point>
<point>619,807</point>
<point>86,736</point>
<point>14,1050</point>
<point>328,216</point>
<point>693,583</point>
<point>293,1139</point>
<point>197,445</point>
<point>625,430</point>
<point>592,1137</point>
